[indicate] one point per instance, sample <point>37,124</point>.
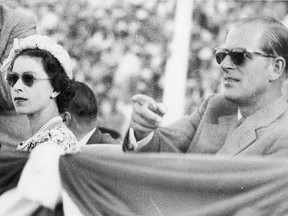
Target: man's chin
<point>230,97</point>
<point>236,99</point>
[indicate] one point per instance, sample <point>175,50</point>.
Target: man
<point>250,118</point>
<point>81,117</point>
<point>14,128</point>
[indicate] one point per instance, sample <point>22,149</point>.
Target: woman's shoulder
<point>61,130</point>
<point>63,137</point>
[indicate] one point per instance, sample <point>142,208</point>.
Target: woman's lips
<point>19,99</point>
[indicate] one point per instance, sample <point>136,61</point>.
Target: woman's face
<point>30,96</point>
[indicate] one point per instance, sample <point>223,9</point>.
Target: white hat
<point>41,42</point>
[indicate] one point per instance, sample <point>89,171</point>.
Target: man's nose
<point>227,63</point>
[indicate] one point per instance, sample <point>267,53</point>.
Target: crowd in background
<point>120,47</point>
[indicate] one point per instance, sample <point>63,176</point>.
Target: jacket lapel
<point>95,138</point>
<point>245,134</point>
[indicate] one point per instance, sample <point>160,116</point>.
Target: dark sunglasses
<point>27,78</point>
<point>237,55</point>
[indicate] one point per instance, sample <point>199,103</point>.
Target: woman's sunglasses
<point>27,78</point>
<point>237,55</point>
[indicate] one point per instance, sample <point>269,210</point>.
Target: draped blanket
<point>11,166</point>
<point>104,181</point>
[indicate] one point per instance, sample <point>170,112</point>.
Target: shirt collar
<point>239,115</point>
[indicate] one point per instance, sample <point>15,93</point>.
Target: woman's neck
<point>37,121</point>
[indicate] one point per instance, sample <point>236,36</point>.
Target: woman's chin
<point>21,111</point>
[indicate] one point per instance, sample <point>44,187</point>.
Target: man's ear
<point>67,118</point>
<point>279,68</point>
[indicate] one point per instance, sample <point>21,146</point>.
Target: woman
<point>39,73</point>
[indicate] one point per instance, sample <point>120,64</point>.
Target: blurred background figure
<point>126,79</point>
<point>14,23</point>
<point>81,118</point>
<point>127,74</point>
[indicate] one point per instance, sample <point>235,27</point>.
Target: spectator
<point>81,117</point>
<point>250,118</point>
<point>14,128</point>
<point>38,71</point>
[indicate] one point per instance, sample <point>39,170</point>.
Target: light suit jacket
<point>212,129</point>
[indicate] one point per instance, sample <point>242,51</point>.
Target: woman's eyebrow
<point>30,72</point>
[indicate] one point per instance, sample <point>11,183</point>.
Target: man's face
<point>247,82</point>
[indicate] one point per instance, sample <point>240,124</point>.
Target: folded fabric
<point>108,182</point>
<point>174,184</point>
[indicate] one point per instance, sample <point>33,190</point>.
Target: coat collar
<point>245,134</point>
<point>95,137</point>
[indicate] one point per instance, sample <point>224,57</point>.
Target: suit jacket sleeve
<point>176,137</point>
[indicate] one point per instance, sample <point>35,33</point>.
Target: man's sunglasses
<point>27,78</point>
<point>237,55</point>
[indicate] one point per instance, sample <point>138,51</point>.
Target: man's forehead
<point>247,36</point>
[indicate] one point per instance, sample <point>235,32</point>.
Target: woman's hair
<point>58,78</point>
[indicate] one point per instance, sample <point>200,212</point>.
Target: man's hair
<point>84,104</point>
<point>275,35</point>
